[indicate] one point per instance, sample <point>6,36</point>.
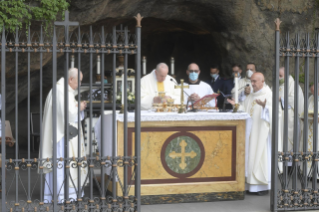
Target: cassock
<point>46,146</point>
<point>201,88</point>
<point>291,105</point>
<point>258,149</point>
<point>241,89</point>
<point>150,89</point>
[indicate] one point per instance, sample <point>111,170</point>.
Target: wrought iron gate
<point>102,44</point>
<point>295,188</point>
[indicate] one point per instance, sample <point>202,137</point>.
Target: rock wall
<point>202,31</point>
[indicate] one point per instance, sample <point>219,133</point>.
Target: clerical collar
<point>191,83</point>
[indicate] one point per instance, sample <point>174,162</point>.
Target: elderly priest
<point>258,152</point>
<point>46,146</point>
<point>291,105</point>
<point>197,88</point>
<point>154,83</point>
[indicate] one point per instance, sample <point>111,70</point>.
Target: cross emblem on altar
<point>182,86</point>
<point>182,154</point>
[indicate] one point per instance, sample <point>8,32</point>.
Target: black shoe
<point>262,193</point>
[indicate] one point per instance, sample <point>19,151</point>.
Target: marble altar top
<point>198,116</point>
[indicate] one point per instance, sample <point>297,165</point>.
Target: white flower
<point>118,97</point>
<point>129,98</point>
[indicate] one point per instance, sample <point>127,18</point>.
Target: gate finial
<point>277,22</point>
<point>138,20</point>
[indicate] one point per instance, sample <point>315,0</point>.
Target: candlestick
<point>236,88</point>
<point>98,65</point>
<point>144,65</point>
<point>172,65</point>
<point>72,61</point>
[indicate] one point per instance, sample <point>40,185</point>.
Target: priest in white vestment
<point>158,81</point>
<point>243,89</point>
<point>46,146</point>
<point>258,151</point>
<point>311,109</point>
<point>291,105</point>
<point>197,88</point>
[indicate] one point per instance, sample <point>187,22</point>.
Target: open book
<point>205,99</point>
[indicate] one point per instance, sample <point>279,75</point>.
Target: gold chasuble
<point>160,87</point>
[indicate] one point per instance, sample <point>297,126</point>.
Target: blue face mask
<point>214,75</point>
<point>193,76</point>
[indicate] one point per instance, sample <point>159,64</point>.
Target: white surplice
<point>202,89</point>
<point>310,130</point>
<point>46,146</point>
<point>149,90</point>
<point>258,160</point>
<point>291,105</point>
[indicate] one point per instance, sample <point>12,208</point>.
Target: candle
<point>98,65</point>
<point>236,88</point>
<point>172,65</point>
<point>144,65</point>
<point>72,61</point>
<point>122,88</point>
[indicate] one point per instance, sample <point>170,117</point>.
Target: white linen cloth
<point>151,116</point>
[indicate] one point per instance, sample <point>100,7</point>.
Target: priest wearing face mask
<point>243,89</point>
<point>236,70</point>
<point>258,149</point>
<point>291,100</point>
<point>197,89</point>
<point>158,81</point>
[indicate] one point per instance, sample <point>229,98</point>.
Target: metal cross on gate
<point>66,23</point>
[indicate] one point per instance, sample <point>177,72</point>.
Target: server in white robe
<point>46,146</point>
<point>258,151</point>
<point>291,105</point>
<point>158,81</point>
<point>197,88</point>
<point>243,89</point>
<point>311,109</point>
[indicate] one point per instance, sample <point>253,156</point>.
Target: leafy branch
<point>15,13</point>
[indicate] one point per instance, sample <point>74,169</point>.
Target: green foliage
<point>18,12</point>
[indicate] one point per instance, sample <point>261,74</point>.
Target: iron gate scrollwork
<point>296,186</point>
<point>78,44</point>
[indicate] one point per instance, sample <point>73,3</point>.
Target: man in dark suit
<point>220,84</point>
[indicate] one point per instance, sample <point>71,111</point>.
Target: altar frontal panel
<point>202,157</point>
<point>187,154</point>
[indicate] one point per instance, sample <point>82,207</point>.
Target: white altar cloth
<point>152,116</point>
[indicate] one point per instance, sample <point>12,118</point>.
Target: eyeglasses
<point>192,71</point>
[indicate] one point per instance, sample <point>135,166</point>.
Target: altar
<point>184,157</point>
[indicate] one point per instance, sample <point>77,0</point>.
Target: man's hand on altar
<point>261,103</point>
<point>247,90</point>
<point>194,97</point>
<point>157,99</point>
<point>231,101</point>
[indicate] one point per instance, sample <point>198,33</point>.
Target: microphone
<point>174,81</point>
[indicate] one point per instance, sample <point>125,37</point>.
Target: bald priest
<point>258,149</point>
<point>158,81</point>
